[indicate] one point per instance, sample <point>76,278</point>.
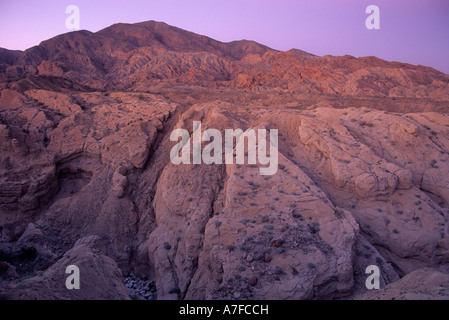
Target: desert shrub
<point>314,227</point>
<point>279,271</point>
<point>167,246</point>
<point>174,290</point>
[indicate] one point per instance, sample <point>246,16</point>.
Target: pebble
<point>236,295</point>
<point>253,281</point>
<point>267,257</point>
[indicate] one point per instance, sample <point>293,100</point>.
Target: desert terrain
<point>86,177</point>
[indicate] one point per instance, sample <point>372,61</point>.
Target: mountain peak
<point>140,55</point>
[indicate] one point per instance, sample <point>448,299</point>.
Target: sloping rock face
<point>422,284</point>
<point>86,177</point>
<point>100,280</point>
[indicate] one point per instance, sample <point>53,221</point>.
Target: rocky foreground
<point>86,177</point>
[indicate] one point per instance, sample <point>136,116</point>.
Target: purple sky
<point>413,31</point>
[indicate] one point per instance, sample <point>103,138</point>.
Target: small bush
<point>279,271</point>
<point>167,246</point>
<point>174,291</point>
<point>297,215</point>
<point>314,227</point>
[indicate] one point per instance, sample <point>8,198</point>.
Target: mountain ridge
<point>145,54</point>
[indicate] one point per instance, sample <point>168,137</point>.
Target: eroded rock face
<point>422,284</point>
<point>100,278</point>
<point>86,176</point>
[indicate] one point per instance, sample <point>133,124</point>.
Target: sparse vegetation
<point>167,246</point>
<point>279,271</point>
<point>433,164</point>
<point>314,227</point>
<point>174,291</point>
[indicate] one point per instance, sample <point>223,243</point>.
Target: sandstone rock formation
<point>86,176</point>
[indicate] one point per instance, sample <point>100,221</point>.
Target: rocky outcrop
<point>100,278</point>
